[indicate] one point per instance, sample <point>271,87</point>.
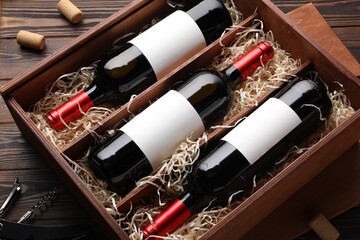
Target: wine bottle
<point>146,58</point>
<point>187,111</point>
<point>248,150</point>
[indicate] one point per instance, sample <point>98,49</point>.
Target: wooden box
<point>80,53</point>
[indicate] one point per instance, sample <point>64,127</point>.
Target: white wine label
<point>170,42</point>
<point>262,129</point>
<point>160,128</point>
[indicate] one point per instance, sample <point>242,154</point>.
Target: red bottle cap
<point>248,63</point>
<point>69,111</point>
<point>169,220</point>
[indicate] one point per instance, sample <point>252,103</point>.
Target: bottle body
<point>148,57</point>
<point>261,139</point>
<point>250,149</point>
<point>157,131</point>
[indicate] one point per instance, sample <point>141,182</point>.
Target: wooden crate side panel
<point>324,194</point>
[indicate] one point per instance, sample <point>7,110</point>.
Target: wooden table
<point>18,159</point>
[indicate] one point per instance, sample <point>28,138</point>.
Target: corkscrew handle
<point>13,193</point>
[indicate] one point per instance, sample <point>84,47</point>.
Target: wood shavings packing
<point>174,171</point>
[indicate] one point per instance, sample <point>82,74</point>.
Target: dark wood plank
<point>43,16</point>
<point>34,185</point>
<point>350,36</point>
<point>16,60</point>
<point>16,153</point>
<point>336,13</point>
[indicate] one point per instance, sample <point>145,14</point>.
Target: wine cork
<point>70,11</point>
<point>30,40</point>
<point>323,228</point>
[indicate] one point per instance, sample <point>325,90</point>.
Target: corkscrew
<point>42,202</point>
<point>20,230</point>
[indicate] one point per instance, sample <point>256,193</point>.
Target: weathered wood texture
<point>18,159</point>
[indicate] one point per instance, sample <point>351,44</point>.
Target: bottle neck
<point>232,75</point>
<point>176,214</point>
<point>212,17</point>
<point>97,93</point>
<point>170,219</point>
<point>75,107</point>
<point>246,64</point>
<point>69,111</point>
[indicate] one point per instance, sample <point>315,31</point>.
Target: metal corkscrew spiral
<point>45,200</point>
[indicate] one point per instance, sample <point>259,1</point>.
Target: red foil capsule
<point>169,220</point>
<point>69,111</point>
<point>248,63</point>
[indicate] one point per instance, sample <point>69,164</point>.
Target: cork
<point>70,11</point>
<point>323,228</point>
<point>30,40</point>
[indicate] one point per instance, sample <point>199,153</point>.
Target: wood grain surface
<point>18,159</point>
